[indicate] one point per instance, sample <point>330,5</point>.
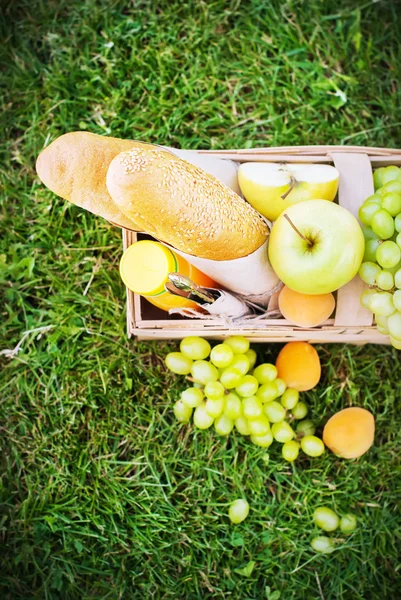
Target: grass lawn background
<point>103,495</point>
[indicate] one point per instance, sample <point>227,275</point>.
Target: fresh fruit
<point>391,202</point>
<point>182,412</point>
<point>312,445</point>
<point>238,511</point>
<point>221,355</point>
<point>289,398</point>
<point>282,432</point>
<point>233,406</point>
<point>241,363</point>
<point>305,428</point>
<point>274,411</point>
<point>370,250</point>
<point>290,450</point>
<point>204,372</point>
<point>248,386</point>
<point>215,407</point>
<point>350,432</point>
<point>252,357</point>
<point>238,344</point>
<point>394,325</point>
<point>259,426</point>
<point>242,425</point>
<point>323,544</point>
<point>298,364</point>
<point>230,378</point>
<point>305,310</point>
<point>264,441</point>
<point>366,297</point>
<point>382,304</point>
<point>252,407</point>
<point>192,397</point>
<point>178,363</point>
<point>397,299</point>
<point>267,392</point>
<point>273,187</point>
<point>265,373</point>
<point>326,519</point>
<point>382,224</point>
<point>368,271</point>
<point>367,210</point>
<point>223,425</point>
<point>195,347</point>
<point>388,254</point>
<point>300,411</point>
<point>385,281</point>
<point>281,386</point>
<point>316,247</point>
<point>214,390</point>
<point>202,420</point>
<point>348,522</point>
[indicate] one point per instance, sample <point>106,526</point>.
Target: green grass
<point>103,495</point>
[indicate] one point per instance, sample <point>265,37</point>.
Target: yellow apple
<point>272,187</point>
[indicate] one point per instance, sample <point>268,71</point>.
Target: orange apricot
<point>298,364</point>
<point>305,310</point>
<point>350,432</point>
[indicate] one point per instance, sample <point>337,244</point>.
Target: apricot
<point>305,310</point>
<point>298,364</point>
<point>350,432</point>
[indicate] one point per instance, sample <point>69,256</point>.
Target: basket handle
<point>356,184</point>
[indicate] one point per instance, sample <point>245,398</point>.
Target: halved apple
<point>272,187</point>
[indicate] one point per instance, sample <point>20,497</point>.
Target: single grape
<point>326,519</point>
<point>182,412</point>
<point>348,522</point>
<point>397,222</point>
<point>192,397</point>
<point>368,272</point>
<point>267,392</point>
<point>178,363</point>
<point>274,411</point>
<point>238,344</point>
<point>377,198</point>
<point>397,300</point>
<point>223,425</point>
<point>397,279</point>
<point>385,280</point>
<point>391,186</point>
<point>233,406</point>
<point>382,321</point>
<point>366,212</point>
<point>265,373</point>
<point>264,441</point>
<point>390,174</point>
<point>238,511</point>
<point>259,426</point>
<point>395,343</point>
<point>248,386</point>
<point>281,386</point>
<point>378,177</point>
<point>382,304</point>
<point>366,296</point>
<point>312,445</point>
<point>394,325</point>
<point>282,432</point>
<point>323,544</point>
<point>204,372</point>
<point>305,428</point>
<point>290,450</point>
<point>382,224</point>
<point>388,254</point>
<point>252,407</point>
<point>391,202</point>
<point>221,356</point>
<point>195,347</point>
<point>370,250</point>
<point>215,407</point>
<point>242,425</point>
<point>252,357</point>
<point>300,411</point>
<point>290,398</point>
<point>214,390</point>
<point>202,420</point>
<point>230,378</point>
<point>241,363</point>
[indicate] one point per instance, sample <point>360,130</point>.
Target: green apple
<point>273,187</point>
<point>316,247</point>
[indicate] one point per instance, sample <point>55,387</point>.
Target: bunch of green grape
<point>381,266</point>
<point>231,394</point>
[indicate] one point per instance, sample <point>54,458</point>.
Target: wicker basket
<point>351,323</point>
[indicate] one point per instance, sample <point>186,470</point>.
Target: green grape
<point>348,522</point>
<point>391,202</point>
<point>274,411</point>
<point>252,407</point>
<point>368,272</point>
<point>366,212</point>
<point>221,356</point>
<point>370,250</point>
<point>282,432</point>
<point>202,420</point>
<point>238,511</point>
<point>383,224</point>
<point>391,186</point>
<point>397,279</point>
<point>290,398</point>
<point>300,411</point>
<point>395,343</point>
<point>326,519</point>
<point>398,240</point>
<point>233,407</point>
<point>192,397</point>
<point>230,378</point>
<point>182,412</point>
<point>390,174</point>
<point>378,177</point>
<point>241,363</point>
<point>388,254</point>
<point>290,450</point>
<point>394,325</point>
<point>248,386</point>
<point>203,372</point>
<point>214,390</point>
<point>397,300</point>
<point>382,324</point>
<point>312,445</point>
<point>178,363</point>
<point>242,425</point>
<point>195,347</point>
<point>305,428</point>
<point>281,386</point>
<point>238,344</point>
<point>366,296</point>
<point>265,373</point>
<point>382,304</point>
<point>368,234</point>
<point>223,425</point>
<point>259,426</point>
<point>264,441</point>
<point>323,544</point>
<point>215,406</point>
<point>267,392</point>
<point>252,357</point>
<point>375,198</point>
<point>385,280</point>
<point>397,222</point>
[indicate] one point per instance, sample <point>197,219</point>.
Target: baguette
<point>182,205</point>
